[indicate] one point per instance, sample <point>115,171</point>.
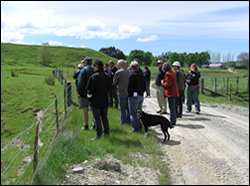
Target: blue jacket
<point>83,78</point>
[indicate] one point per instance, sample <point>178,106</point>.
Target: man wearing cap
<point>75,76</point>
<point>98,87</point>
<point>160,90</point>
<point>180,82</point>
<point>84,75</point>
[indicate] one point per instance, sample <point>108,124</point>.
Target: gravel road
<point>209,149</point>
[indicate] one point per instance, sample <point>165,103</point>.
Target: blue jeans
<point>135,103</point>
<point>100,117</point>
<point>171,104</point>
<point>124,110</point>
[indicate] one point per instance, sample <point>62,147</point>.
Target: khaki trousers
<point>161,99</point>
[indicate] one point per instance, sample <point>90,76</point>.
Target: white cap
<point>80,66</point>
<point>176,63</point>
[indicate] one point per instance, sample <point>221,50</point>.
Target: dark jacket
<point>194,77</point>
<point>111,75</point>
<point>159,76</point>
<point>180,79</point>
<point>98,87</point>
<point>136,83</point>
<point>75,76</point>
<point>83,78</point>
<point>147,75</point>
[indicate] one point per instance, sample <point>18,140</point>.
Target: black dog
<point>152,120</point>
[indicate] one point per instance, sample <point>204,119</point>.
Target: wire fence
<point>17,155</point>
<point>227,86</point>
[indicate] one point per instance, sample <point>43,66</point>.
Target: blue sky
<point>154,26</point>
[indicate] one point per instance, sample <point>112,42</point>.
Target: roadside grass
<point>23,96</point>
<point>75,146</point>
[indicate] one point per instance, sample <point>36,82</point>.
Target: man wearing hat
<point>98,87</point>
<point>180,82</point>
<point>75,76</point>
<point>84,75</point>
<point>160,89</point>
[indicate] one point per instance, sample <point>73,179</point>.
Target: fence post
<point>227,85</point>
<point>248,85</point>
<point>65,96</point>
<point>237,82</point>
<point>215,85</point>
<point>202,86</point>
<point>69,93</point>
<point>230,90</point>
<point>59,74</point>
<point>36,143</point>
<point>61,77</point>
<point>224,82</point>
<point>57,126</point>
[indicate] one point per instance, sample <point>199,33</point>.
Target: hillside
<point>21,55</point>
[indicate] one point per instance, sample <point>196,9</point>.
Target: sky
<point>151,26</point>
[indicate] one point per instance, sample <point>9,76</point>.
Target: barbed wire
<point>59,95</point>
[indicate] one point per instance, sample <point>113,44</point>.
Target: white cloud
<point>11,37</point>
<point>33,24</point>
<point>51,42</point>
<point>93,28</point>
<point>147,39</point>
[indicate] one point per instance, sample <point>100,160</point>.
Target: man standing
<point>84,75</point>
<point>147,75</point>
<point>120,79</point>
<point>98,87</point>
<point>136,89</point>
<point>113,91</point>
<point>76,76</point>
<point>180,82</point>
<point>160,90</point>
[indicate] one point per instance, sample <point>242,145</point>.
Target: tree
<point>203,58</point>
<point>138,54</point>
<point>243,58</point>
<point>147,58</point>
<point>173,57</point>
<point>165,56</point>
<point>44,53</point>
<point>113,52</point>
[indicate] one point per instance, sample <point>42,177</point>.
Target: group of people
<point>171,85</point>
<point>98,86</point>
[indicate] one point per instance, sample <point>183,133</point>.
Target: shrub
<point>13,74</point>
<point>50,80</point>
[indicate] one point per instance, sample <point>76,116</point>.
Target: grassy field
<point>26,93</point>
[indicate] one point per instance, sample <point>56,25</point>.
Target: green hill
<point>23,55</point>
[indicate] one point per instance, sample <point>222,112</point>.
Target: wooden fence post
<point>202,86</point>
<point>227,85</point>
<point>36,143</point>
<point>69,93</point>
<point>230,90</point>
<point>57,125</point>
<point>237,82</point>
<point>248,85</point>
<point>215,85</point>
<point>65,97</point>
<point>62,77</point>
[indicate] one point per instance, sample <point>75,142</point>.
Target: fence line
<point>220,86</point>
<point>47,133</point>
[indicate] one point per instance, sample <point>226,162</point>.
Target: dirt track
<point>209,148</point>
